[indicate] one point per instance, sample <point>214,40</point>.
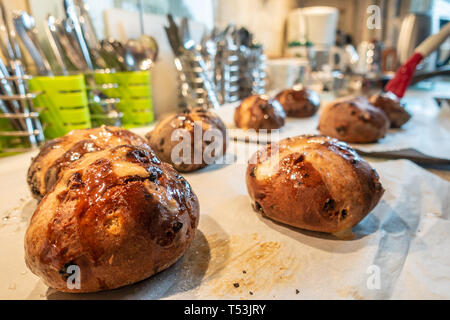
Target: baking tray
<point>237,254</point>
<point>399,251</point>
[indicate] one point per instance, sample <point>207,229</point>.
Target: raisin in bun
<point>259,112</point>
<point>160,139</point>
<point>353,119</point>
<point>299,102</point>
<point>396,113</point>
<point>57,154</point>
<point>119,215</point>
<point>312,182</point>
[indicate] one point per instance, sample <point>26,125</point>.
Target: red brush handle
<point>402,78</point>
<point>404,75</point>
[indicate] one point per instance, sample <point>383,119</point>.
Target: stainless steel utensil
<point>119,50</point>
<point>73,21</point>
<point>131,47</point>
<point>96,97</point>
<point>185,34</point>
<point>7,90</point>
<point>173,35</point>
<point>70,45</point>
<point>52,35</point>
<point>151,50</point>
<point>87,25</point>
<point>113,58</point>
<point>90,36</point>
<point>25,24</point>
<point>117,45</point>
<point>139,55</point>
<point>409,154</point>
<point>11,47</point>
<point>7,107</point>
<point>149,43</point>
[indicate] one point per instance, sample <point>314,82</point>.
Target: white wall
<point>264,18</point>
<point>200,10</point>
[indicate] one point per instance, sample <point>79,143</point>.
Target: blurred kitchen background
<point>338,46</point>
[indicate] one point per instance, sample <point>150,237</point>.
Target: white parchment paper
<point>428,131</point>
<point>400,250</point>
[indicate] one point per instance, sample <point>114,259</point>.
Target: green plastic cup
<point>135,94</point>
<point>63,104</point>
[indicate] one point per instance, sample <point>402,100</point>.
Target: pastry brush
<point>403,76</point>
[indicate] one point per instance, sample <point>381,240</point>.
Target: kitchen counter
<point>405,237</point>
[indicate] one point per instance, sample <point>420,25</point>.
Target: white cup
<point>284,73</point>
<point>316,24</point>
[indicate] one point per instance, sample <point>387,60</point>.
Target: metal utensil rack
<point>239,68</point>
<point>196,87</point>
<point>226,71</point>
<point>20,128</point>
<point>252,66</point>
<point>104,111</point>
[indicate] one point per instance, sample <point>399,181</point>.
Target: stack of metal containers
<point>196,87</point>
<point>252,64</point>
<point>225,67</point>
<point>222,55</point>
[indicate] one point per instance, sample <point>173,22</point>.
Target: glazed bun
<point>397,114</point>
<point>259,112</point>
<point>56,155</point>
<point>299,102</point>
<point>119,215</point>
<point>312,182</point>
<point>353,119</point>
<point>160,139</point>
